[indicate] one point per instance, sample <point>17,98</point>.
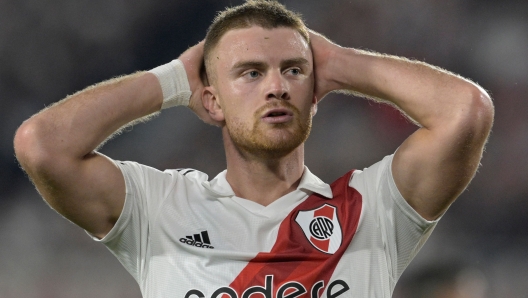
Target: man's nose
<point>278,87</point>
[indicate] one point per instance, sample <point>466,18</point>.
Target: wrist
<point>348,69</point>
<point>174,84</point>
<point>341,67</point>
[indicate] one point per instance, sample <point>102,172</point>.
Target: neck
<point>262,180</point>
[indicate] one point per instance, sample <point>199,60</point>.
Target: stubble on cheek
<point>261,140</point>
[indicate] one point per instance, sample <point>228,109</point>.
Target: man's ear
<point>314,105</point>
<point>211,104</point>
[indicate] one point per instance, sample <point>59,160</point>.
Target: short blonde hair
<point>267,14</point>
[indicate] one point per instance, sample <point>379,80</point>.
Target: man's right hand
<point>193,61</point>
<point>324,67</point>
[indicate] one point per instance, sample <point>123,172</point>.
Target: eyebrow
<point>249,64</point>
<point>293,61</point>
<point>261,65</point>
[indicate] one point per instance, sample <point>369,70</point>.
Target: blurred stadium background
<point>49,49</point>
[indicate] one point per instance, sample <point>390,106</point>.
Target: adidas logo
<point>198,240</point>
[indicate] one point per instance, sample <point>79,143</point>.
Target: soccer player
<point>265,227</point>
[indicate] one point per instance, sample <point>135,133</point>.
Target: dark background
<point>49,49</point>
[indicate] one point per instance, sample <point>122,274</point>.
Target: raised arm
<point>436,163</point>
<point>56,147</point>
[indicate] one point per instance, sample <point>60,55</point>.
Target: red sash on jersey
<point>301,256</point>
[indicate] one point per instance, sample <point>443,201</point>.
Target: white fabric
<point>174,84</point>
<point>163,207</point>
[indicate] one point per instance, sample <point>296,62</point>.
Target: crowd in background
<point>49,49</point>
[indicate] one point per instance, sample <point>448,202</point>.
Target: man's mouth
<point>278,115</point>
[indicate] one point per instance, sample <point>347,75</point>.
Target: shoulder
<point>132,167</point>
<point>150,179</point>
<point>373,174</point>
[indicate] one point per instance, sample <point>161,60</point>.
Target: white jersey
<point>180,235</point>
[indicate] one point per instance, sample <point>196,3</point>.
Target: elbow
<point>481,112</point>
<point>474,117</point>
<point>29,149</point>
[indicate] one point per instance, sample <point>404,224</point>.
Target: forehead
<point>257,43</point>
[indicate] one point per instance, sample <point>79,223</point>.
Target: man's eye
<point>253,74</point>
<point>295,71</point>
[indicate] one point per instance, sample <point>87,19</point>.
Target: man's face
<point>263,83</point>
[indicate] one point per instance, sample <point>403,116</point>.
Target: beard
<point>271,141</point>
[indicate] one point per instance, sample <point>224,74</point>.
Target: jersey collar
<point>309,182</point>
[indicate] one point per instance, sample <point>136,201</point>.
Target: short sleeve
<point>403,230</point>
<point>146,189</point>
